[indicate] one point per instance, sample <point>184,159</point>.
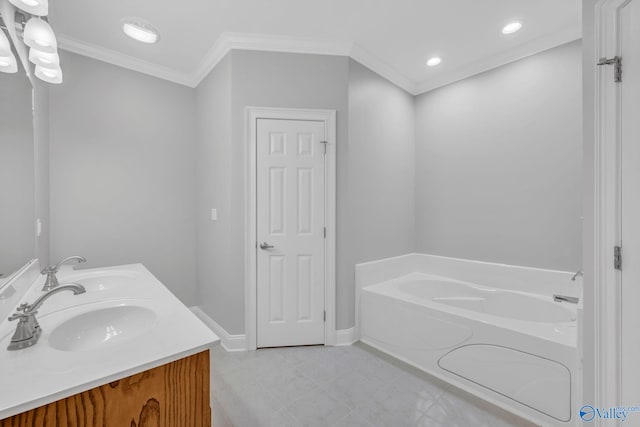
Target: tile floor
<point>338,386</point>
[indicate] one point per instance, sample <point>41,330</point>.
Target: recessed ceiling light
<point>432,62</point>
<point>140,30</point>
<point>511,28</point>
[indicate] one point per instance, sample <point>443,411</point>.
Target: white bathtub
<point>481,299</point>
<point>514,348</point>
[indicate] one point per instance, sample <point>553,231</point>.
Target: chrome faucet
<point>52,280</point>
<point>575,276</point>
<point>28,330</point>
<point>564,298</point>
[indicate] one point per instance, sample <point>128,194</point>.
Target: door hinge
<point>325,232</point>
<point>616,61</point>
<point>325,316</point>
<point>617,257</point>
<point>324,143</point>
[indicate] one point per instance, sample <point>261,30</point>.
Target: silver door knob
<point>264,246</point>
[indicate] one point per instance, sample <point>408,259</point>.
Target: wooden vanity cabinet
<point>172,395</point>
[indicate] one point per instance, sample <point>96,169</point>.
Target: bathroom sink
<point>103,327</point>
<point>125,322</point>
<point>102,281</point>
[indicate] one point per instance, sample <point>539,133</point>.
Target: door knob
<point>264,246</point>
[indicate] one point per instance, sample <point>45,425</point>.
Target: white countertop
<point>42,374</point>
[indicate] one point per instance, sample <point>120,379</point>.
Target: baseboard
<point>345,336</point>
<point>228,341</point>
<point>239,342</point>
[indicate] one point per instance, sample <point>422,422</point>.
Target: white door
<point>630,177</point>
<point>290,229</point>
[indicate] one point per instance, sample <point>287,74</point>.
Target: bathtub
<point>513,348</point>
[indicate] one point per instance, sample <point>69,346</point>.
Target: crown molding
<point>218,51</point>
<point>382,68</point>
<point>120,59</point>
<point>522,51</point>
<point>268,43</point>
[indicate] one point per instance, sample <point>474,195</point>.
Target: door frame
<point>602,286</point>
<point>252,114</point>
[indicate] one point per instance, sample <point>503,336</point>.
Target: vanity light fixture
<point>5,46</point>
<point>44,59</point>
<point>49,75</point>
<point>512,27</point>
<point>39,35</point>
<point>8,64</point>
<point>140,30</point>
<point>432,62</point>
<point>32,7</point>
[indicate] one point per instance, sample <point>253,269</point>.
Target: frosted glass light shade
<point>39,35</point>
<point>5,46</point>
<point>33,7</point>
<point>49,75</point>
<point>44,59</point>
<point>8,64</point>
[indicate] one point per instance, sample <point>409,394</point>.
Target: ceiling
<point>393,37</point>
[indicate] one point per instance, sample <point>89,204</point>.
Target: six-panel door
<point>290,231</point>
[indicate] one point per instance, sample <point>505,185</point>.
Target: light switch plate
<point>214,214</point>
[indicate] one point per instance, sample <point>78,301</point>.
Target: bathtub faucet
<point>575,276</point>
<point>564,298</point>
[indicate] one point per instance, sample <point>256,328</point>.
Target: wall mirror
<point>17,174</point>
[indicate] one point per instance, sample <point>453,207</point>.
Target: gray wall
<point>380,185</point>
<point>498,164</point>
<point>267,79</point>
<point>16,172</point>
<point>41,144</point>
<point>123,171</point>
<point>220,291</point>
<point>133,177</point>
<point>375,163</point>
<point>257,79</point>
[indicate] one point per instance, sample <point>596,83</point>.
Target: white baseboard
<point>345,336</point>
<point>228,341</point>
<point>239,342</point>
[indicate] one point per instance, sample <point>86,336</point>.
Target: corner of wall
<point>213,181</point>
<point>42,178</point>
